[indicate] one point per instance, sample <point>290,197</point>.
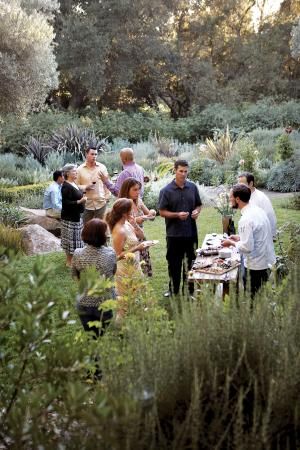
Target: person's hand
<point>102,177</point>
<point>132,220</point>
<point>82,200</point>
<point>227,243</point>
<point>139,220</point>
<point>234,237</point>
<point>183,215</point>
<point>152,213</point>
<point>195,214</point>
<point>90,187</point>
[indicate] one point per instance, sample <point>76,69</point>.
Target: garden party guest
<point>72,207</point>
<point>180,205</point>
<point>130,169</point>
<point>89,181</point>
<point>125,234</point>
<point>258,198</point>
<point>52,196</point>
<point>254,240</point>
<point>95,254</point>
<point>131,189</point>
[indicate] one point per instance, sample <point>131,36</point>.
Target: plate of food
<point>150,243</point>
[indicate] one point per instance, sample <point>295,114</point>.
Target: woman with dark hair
<point>131,189</point>
<point>125,239</point>
<point>72,207</point>
<point>96,254</point>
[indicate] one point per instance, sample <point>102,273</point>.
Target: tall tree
<point>27,63</point>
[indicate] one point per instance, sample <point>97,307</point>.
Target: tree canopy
<point>28,69</point>
<point>127,54</point>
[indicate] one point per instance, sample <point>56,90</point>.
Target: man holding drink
<point>89,181</point>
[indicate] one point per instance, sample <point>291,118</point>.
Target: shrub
<point>294,202</point>
<point>208,376</point>
<point>10,238</point>
<point>55,160</point>
<point>15,132</point>
<point>37,149</point>
<point>11,215</point>
<point>18,194</point>
<point>221,147</point>
<point>248,152</point>
<point>8,182</point>
<point>207,172</point>
<point>74,140</point>
<point>284,147</point>
<point>284,176</point>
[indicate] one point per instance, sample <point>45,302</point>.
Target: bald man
<point>130,169</point>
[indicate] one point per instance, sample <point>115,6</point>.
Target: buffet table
<point>209,267</point>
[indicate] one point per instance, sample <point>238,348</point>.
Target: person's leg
<point>189,246</point>
<point>99,213</point>
<point>87,215</point>
<point>92,314</point>
<point>174,258</point>
<point>257,279</point>
<point>69,258</point>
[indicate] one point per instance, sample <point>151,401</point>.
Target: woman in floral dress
<point>131,189</point>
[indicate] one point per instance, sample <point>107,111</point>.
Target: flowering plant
<point>222,204</point>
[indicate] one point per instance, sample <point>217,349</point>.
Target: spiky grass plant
<point>221,147</point>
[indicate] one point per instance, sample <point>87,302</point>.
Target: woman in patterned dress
<point>131,189</point>
<point>95,253</point>
<point>73,202</point>
<point>125,234</point>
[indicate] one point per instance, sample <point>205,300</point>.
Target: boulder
<point>37,240</point>
<point>38,217</point>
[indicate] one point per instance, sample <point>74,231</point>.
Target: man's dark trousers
<point>257,279</point>
<point>180,256</point>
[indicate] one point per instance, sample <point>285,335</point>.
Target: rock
<point>37,240</point>
<point>38,217</point>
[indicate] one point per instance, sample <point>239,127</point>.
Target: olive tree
<point>28,69</point>
<point>295,41</point>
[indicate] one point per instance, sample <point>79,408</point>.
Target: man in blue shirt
<point>180,205</point>
<point>52,196</point>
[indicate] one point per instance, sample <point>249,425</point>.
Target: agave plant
<point>74,140</point>
<point>38,149</point>
<point>221,147</point>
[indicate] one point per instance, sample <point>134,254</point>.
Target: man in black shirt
<point>180,205</point>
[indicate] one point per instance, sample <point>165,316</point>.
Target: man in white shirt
<point>52,197</point>
<point>258,198</point>
<point>89,181</point>
<point>254,240</point>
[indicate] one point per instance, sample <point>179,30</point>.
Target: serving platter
<point>215,266</point>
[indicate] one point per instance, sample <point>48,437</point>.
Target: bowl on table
<point>225,253</point>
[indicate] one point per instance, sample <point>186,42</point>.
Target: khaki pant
<point>53,213</point>
<point>89,214</point>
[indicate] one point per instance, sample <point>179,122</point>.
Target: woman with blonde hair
<point>131,189</point>
<point>125,234</point>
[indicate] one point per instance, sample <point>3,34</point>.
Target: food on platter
<point>208,251</point>
<point>214,265</point>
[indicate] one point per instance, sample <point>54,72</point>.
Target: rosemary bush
<point>207,375</point>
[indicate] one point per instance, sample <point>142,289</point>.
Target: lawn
<point>209,221</point>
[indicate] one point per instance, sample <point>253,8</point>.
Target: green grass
<point>209,221</point>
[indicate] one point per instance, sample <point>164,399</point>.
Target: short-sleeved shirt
<point>97,197</point>
<point>176,199</point>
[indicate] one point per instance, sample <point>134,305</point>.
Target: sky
<point>270,7</point>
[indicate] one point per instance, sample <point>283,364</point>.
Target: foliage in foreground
<point>208,376</point>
